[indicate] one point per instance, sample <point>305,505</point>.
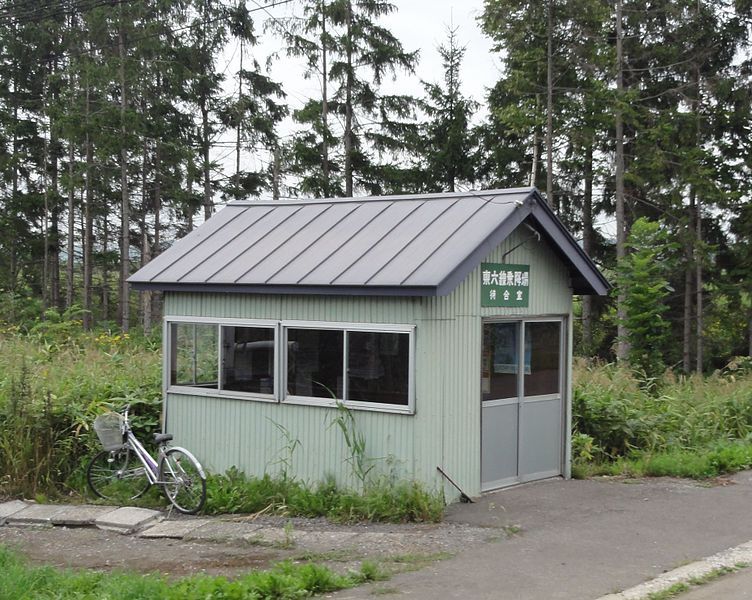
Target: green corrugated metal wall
<point>445,429</point>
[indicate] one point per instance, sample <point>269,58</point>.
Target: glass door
<point>500,411</point>
<point>521,395</point>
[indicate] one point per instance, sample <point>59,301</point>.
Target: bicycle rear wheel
<point>182,480</point>
<point>117,475</point>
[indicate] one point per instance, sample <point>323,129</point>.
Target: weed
<point>284,461</point>
<point>370,571</point>
<point>359,461</point>
<point>289,541</point>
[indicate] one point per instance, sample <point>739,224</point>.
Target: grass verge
<point>702,463</point>
<point>394,502</point>
<point>285,581</point>
<point>682,587</point>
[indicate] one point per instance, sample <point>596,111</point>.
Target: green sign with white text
<point>504,285</point>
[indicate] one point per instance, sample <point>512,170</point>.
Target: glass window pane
<point>194,354</point>
<point>314,363</point>
<point>500,361</point>
<point>378,367</point>
<point>248,359</point>
<point>542,358</point>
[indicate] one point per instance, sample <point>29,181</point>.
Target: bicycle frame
<point>151,467</point>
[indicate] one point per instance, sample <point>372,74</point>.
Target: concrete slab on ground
<point>222,531</point>
<point>127,519</point>
<point>173,529</point>
<point>35,514</point>
<point>9,508</point>
<point>81,515</point>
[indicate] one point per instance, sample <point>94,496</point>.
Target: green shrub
<point>398,502</point>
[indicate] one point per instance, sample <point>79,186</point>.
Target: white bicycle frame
<point>151,466</point>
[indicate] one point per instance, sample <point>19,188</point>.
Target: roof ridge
<point>387,198</point>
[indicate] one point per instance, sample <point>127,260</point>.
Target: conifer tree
<point>446,143</point>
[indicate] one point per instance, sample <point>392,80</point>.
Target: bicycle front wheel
<point>183,481</point>
<point>117,475</point>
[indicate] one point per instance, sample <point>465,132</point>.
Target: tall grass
<point>704,421</point>
<point>54,380</point>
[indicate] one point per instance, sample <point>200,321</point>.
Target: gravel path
<point>230,546</point>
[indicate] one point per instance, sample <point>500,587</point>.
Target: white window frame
<point>280,362</point>
<point>218,392</point>
<point>346,327</point>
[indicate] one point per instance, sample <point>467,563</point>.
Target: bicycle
<point>125,470</point>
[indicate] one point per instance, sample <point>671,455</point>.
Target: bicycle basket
<point>109,430</point>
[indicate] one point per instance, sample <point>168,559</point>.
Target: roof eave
<point>594,282</point>
<point>322,290</point>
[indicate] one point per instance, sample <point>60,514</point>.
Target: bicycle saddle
<point>161,438</point>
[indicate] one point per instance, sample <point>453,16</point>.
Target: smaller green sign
<point>504,285</point>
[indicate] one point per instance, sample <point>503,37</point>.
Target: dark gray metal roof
<point>421,245</point>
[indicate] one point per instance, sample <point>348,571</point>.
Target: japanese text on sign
<point>504,285</point>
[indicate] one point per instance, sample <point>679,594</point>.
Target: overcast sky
<point>419,24</point>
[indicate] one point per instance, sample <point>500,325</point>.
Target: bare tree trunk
<point>105,270</point>
<point>88,319</point>
<point>145,245</point>
<point>699,337</point>
<point>276,174</point>
<point>536,148</point>
<point>588,242</point>
<point>348,105</point>
<point>622,345</point>
<point>13,262</point>
<point>239,118</point>
<point>208,204</point>
<point>189,185</point>
<point>54,250</point>
<point>324,106</point>
<point>125,205</point>
<point>70,247</point>
<point>46,223</point>
<point>155,296</point>
<point>13,258</point>
<point>553,202</point>
<point>204,106</point>
<point>687,317</point>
